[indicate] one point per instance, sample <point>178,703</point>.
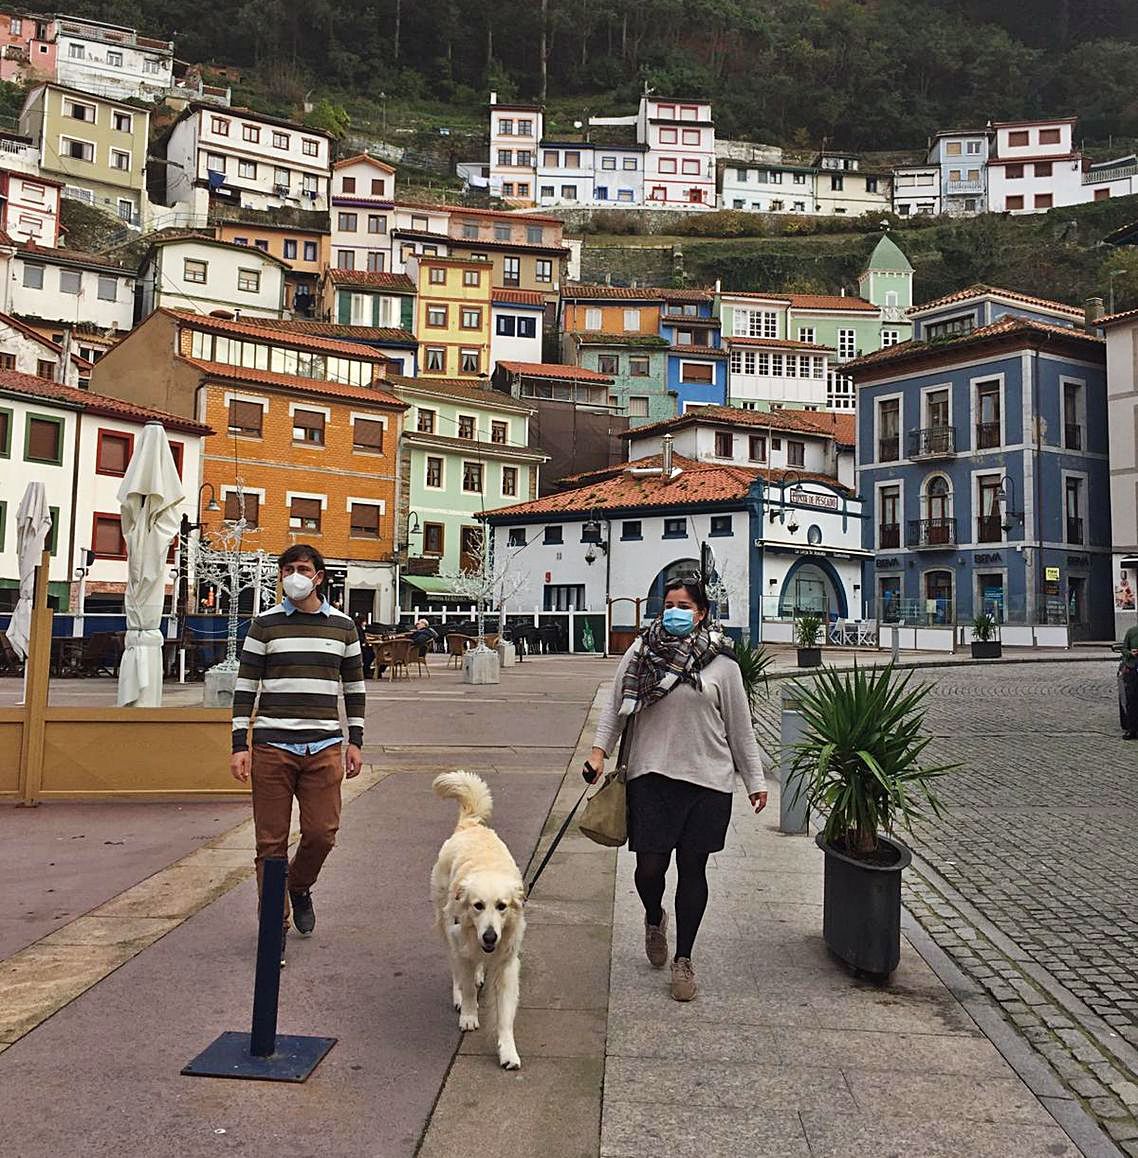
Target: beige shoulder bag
<point>605,819</point>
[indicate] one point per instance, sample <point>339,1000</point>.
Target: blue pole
<point>266,986</point>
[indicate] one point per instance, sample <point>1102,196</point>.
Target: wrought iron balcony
<point>988,435</point>
<point>932,442</point>
<point>889,448</point>
<point>1074,530</point>
<point>1073,436</point>
<point>888,536</point>
<point>964,186</point>
<point>931,533</point>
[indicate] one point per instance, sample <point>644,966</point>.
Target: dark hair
<point>693,585</point>
<point>299,551</point>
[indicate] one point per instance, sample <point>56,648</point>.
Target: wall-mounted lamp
<point>591,534</point>
<point>779,514</point>
<point>1005,495</point>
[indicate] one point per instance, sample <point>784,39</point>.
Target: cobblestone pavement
<point>1030,880</point>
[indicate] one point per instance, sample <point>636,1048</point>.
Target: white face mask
<point>297,586</point>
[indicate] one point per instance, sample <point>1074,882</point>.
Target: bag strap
<point>621,768</point>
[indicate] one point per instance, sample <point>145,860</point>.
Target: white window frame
<point>851,345</point>
<point>899,398</point>
<point>1084,510</point>
<point>442,476</point>
<point>254,288</point>
<point>887,484</point>
<point>517,480</point>
<point>806,334</point>
<point>112,151</point>
<point>594,319</point>
<point>975,476</point>
<point>66,156</point>
<point>974,412</point>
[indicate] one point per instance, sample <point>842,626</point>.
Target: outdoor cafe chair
<point>456,647</point>
<point>400,654</point>
<point>10,662</point>
<point>384,658</point>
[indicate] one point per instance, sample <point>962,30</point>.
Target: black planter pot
<point>861,908</point>
<point>809,657</point>
<point>987,649</point>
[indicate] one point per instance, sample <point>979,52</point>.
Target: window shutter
<point>108,536</point>
<point>368,434</point>
<point>344,308</point>
<point>407,313</point>
<point>43,440</point>
<point>365,520</point>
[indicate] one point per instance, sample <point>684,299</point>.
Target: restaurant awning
<point>434,587</point>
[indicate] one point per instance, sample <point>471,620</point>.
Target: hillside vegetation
<point>858,73</point>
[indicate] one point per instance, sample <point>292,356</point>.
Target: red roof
<point>831,302</point>
<point>517,297</point>
<point>364,157</point>
<point>470,211</point>
<point>1121,316</point>
<point>779,344</point>
<point>338,331</point>
<point>838,426</point>
<point>396,282</point>
<point>979,290</point>
<point>574,292</point>
<point>294,382</point>
<point>555,370</point>
<point>16,382</point>
<point>703,351</point>
<point>245,329</point>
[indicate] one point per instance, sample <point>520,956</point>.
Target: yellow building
<point>452,316</point>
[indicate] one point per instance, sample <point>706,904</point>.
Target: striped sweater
<point>297,662</point>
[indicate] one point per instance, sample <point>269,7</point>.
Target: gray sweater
<point>702,737</point>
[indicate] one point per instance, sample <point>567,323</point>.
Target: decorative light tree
<point>481,584</point>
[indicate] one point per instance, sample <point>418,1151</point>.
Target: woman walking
<point>678,687</point>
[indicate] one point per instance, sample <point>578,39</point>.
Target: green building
<point>638,366</point>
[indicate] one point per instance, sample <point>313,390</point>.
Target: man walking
<point>296,655</point>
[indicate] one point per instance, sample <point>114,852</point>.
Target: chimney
<point>843,291</point>
<point>718,287</point>
<point>667,464</point>
<point>493,98</point>
<point>1092,312</point>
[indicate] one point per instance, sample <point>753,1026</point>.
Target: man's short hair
<point>299,551</point>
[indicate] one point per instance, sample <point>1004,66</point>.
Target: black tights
<point>691,892</point>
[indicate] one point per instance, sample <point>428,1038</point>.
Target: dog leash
<point>557,840</point>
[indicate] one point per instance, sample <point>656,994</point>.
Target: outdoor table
<point>66,653</point>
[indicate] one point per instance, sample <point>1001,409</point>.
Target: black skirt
<point>664,814</point>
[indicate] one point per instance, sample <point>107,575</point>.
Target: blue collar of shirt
<point>290,607</point>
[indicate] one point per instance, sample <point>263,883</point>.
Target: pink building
<point>27,46</point>
<point>680,164</point>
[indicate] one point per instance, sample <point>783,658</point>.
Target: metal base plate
<point>229,1057</point>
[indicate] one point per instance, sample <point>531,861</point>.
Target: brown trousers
<point>277,777</point>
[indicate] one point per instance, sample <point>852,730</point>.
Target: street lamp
<point>184,529</point>
<point>409,530</point>
<point>779,515</point>
<point>1005,495</point>
<point>591,534</point>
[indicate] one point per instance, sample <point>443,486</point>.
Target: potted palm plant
<point>806,633</point>
<point>753,663</point>
<point>860,764</point>
<point>985,637</point>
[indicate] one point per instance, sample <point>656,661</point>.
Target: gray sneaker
<point>683,979</point>
<point>656,942</point>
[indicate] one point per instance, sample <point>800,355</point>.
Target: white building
<point>1122,417</point>
<point>565,173</point>
<point>515,326</point>
<point>29,207</point>
<point>251,160</point>
<point>112,61</point>
<point>843,189</point>
<point>680,162</point>
<point>211,277</point>
<point>27,351</point>
<point>916,191</point>
<point>1034,166</point>
<point>515,130</point>
<point>59,285</point>
<point>363,201</point>
<point>776,187</point>
<point>767,373</point>
<point>618,171</point>
<point>78,444</point>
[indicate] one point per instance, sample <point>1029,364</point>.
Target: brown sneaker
<point>656,942</point>
<point>683,979</point>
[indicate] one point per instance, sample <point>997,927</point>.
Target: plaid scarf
<point>663,662</point>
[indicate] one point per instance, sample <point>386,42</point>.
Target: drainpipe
<point>608,582</point>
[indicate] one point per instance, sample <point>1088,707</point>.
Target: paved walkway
<point>783,1052</point>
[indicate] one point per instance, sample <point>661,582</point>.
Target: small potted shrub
<point>806,632</point>
<point>985,638</point>
<point>753,663</point>
<point>860,765</point>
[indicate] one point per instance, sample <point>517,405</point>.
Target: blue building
<point>982,452</point>
<point>697,360</point>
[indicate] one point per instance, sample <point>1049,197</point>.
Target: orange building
<point>610,310</point>
<point>308,442</point>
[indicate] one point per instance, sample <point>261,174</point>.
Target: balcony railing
<point>889,448</point>
<point>931,533</point>
<point>932,442</point>
<point>1074,529</point>
<point>1073,436</point>
<point>964,186</point>
<point>888,536</point>
<point>989,529</point>
<point>987,435</point>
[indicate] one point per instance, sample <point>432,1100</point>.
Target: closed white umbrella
<point>149,498</point>
<point>33,524</point>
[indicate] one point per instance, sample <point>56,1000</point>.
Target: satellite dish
<point>576,124</point>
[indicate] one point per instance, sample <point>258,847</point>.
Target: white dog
<point>479,896</point>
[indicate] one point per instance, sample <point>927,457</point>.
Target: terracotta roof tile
<point>702,351</point>
<point>470,211</point>
<point>555,370</point>
<point>1121,316</point>
<point>477,242</point>
<point>339,332</point>
<point>807,421</point>
<point>252,329</point>
<point>476,449</point>
<point>295,383</point>
<point>396,282</point>
<point>29,384</point>
<point>516,297</point>
<point>779,344</point>
<point>1007,326</point>
<point>576,292</point>
<point>831,302</point>
<point>363,157</point>
<point>979,290</point>
<point>473,390</point>
<point>600,338</point>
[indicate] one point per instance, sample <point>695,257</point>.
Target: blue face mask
<point>678,620</point>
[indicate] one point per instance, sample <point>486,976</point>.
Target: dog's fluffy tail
<point>474,800</point>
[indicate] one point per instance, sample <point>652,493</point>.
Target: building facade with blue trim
<point>697,361</point>
<point>983,457</point>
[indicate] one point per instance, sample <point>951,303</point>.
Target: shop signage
<point>801,498</point>
<point>1051,574</point>
<point>888,562</point>
<point>989,557</point>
